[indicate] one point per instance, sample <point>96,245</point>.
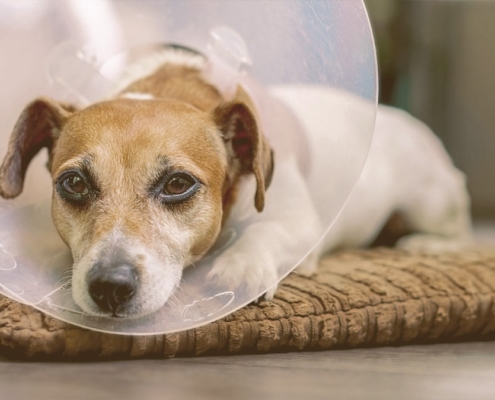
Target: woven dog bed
<point>368,297</point>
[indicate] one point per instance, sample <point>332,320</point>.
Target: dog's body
<point>144,182</point>
<point>407,172</point>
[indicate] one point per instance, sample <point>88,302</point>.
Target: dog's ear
<point>247,148</point>
<point>38,126</point>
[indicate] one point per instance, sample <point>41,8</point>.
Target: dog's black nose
<point>111,288</point>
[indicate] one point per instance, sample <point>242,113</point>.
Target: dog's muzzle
<point>112,287</point>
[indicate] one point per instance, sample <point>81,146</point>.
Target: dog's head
<point>140,189</point>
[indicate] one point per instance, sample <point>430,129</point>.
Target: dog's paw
<point>433,243</point>
<point>250,271</point>
<point>268,295</point>
<point>309,265</point>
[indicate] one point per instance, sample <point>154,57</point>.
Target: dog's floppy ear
<point>38,126</point>
<point>247,148</point>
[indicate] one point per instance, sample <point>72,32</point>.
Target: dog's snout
<point>112,288</point>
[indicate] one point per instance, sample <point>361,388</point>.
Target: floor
<point>440,371</point>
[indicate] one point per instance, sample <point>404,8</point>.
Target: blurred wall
<point>437,60</point>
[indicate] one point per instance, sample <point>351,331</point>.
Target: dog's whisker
<point>66,272</point>
<point>174,301</point>
<point>173,298</point>
<point>71,305</point>
<point>179,286</point>
<point>199,254</point>
<point>63,281</point>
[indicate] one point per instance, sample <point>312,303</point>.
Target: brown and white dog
<point>144,182</point>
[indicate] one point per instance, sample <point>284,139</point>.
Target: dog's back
<point>407,170</point>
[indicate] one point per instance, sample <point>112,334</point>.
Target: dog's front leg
<point>273,240</point>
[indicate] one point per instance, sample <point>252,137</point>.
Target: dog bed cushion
<point>368,297</point>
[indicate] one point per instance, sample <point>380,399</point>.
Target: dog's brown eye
<point>178,185</point>
<point>75,185</point>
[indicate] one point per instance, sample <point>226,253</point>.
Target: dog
<point>144,182</point>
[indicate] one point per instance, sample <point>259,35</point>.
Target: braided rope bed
<point>366,297</point>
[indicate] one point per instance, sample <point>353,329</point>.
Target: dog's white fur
<point>407,171</point>
<point>149,64</point>
<point>159,282</point>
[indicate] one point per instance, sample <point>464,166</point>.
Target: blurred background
<point>437,61</point>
